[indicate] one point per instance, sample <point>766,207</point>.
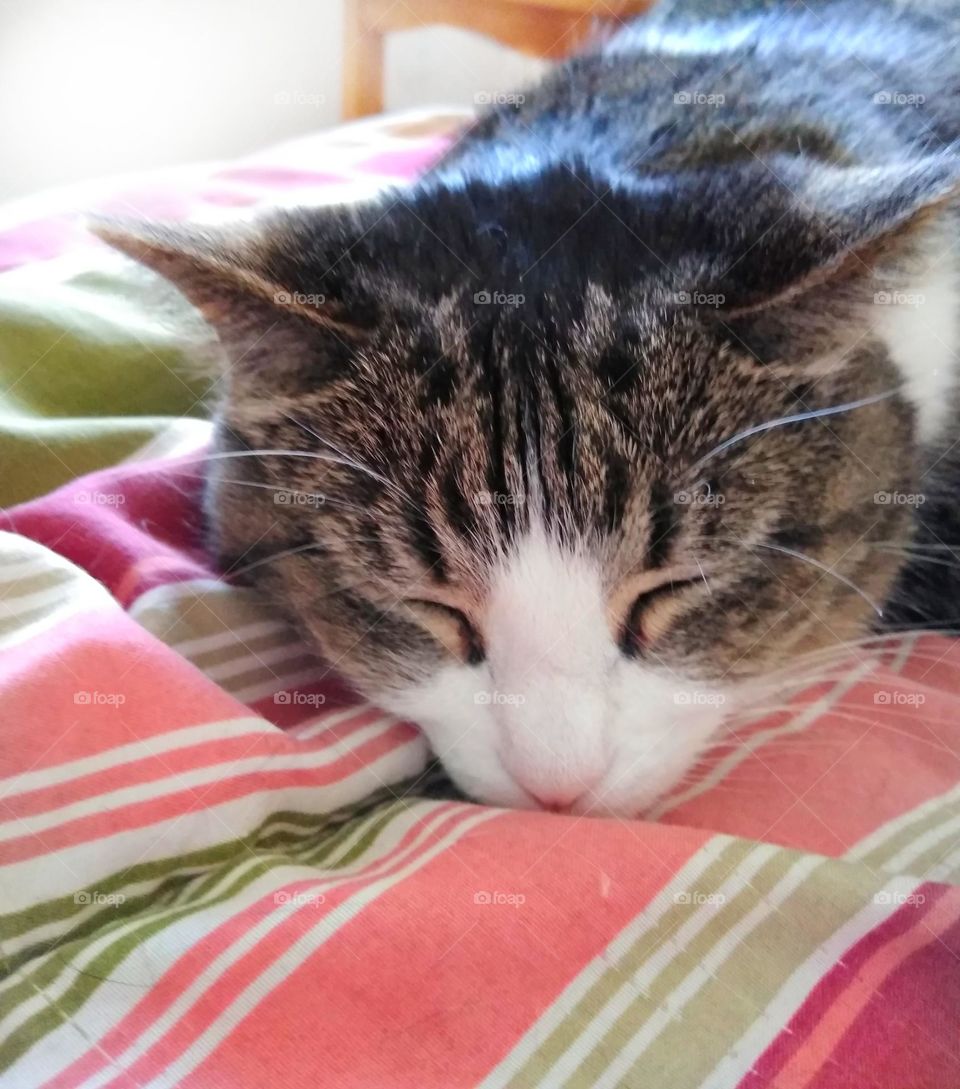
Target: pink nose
<point>559,797</point>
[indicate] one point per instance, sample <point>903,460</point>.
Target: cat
<point>641,400</point>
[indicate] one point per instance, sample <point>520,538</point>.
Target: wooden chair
<point>542,28</point>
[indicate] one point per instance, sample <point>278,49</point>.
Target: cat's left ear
<point>829,223</point>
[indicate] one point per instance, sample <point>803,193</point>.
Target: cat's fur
<point>541,510</point>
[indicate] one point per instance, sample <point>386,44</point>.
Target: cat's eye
<point>649,614</point>
<point>451,627</point>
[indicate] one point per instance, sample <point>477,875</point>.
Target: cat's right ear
<point>266,323</point>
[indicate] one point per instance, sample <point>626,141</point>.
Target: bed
<point>219,868</point>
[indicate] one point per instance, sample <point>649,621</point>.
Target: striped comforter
<point>218,868</point>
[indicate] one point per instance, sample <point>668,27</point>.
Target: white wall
<point>90,87</point>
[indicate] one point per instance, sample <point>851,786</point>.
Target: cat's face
<point>560,520</point>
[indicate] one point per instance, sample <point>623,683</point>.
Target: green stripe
<point>21,922</point>
<point>934,855</point>
<point>751,977</point>
<point>645,1005</point>
<point>153,922</point>
<point>886,852</point>
<point>593,1001</point>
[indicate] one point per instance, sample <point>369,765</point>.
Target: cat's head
<point>558,466</point>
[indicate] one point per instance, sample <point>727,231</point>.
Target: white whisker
<point>780,421</point>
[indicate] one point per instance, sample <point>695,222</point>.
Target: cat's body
<point>632,403</point>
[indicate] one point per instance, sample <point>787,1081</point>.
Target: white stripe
<point>905,858</point>
<point>704,972</point>
<point>251,693</point>
<point>770,1022</point>
<point>38,564</point>
<point>575,992</point>
<point>157,745</point>
<point>277,878</point>
<point>190,779</point>
<point>889,831</point>
<point>202,644</point>
<point>250,660</point>
<point>287,961</point>
<point>943,871</point>
<point>314,727</point>
<point>161,597</point>
<point>56,873</point>
<point>11,607</point>
<point>756,741</point>
<point>603,1021</point>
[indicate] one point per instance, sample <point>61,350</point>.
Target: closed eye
<point>451,627</point>
<point>647,616</point>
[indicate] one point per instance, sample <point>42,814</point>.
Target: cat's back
<point>845,82</point>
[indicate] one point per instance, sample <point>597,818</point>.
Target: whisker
<point>780,421</point>
<point>825,569</point>
<point>346,459</point>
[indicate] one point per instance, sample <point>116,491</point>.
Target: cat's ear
<point>830,224</point>
<point>264,315</point>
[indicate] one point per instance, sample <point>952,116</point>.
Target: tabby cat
<point>639,401</point>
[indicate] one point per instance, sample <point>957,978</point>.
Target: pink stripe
<point>437,987</point>
<point>191,964</point>
<point>151,768</point>
<point>179,803</point>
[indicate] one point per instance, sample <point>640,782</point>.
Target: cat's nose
<point>559,797</point>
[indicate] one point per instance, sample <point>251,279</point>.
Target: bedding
<point>219,867</point>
